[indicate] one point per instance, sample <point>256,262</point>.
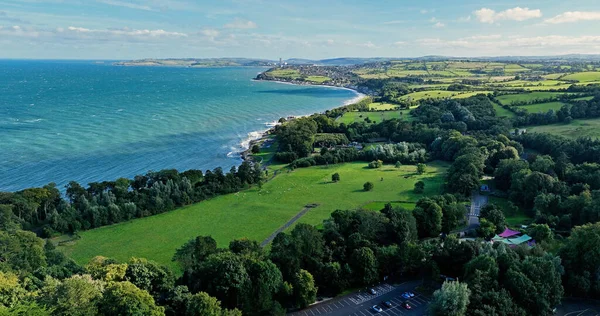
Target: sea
<point>88,121</point>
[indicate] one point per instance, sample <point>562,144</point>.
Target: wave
<point>245,143</point>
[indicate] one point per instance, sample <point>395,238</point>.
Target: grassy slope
<point>542,107</point>
<point>507,99</point>
<point>382,106</point>
<point>254,213</point>
<point>350,117</point>
<point>584,76</point>
<point>577,128</point>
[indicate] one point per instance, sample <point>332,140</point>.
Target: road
<point>578,307</point>
<point>477,202</point>
<point>359,304</point>
<point>286,225</point>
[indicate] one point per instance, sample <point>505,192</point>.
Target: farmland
<point>255,213</point>
<point>576,129</point>
<point>526,97</point>
<point>375,117</point>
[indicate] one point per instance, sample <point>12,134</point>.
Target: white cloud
<point>439,25</point>
<point>464,19</point>
<point>241,24</point>
<point>82,33</point>
<point>482,37</point>
<point>210,33</point>
<point>516,45</point>
<point>127,5</point>
<point>486,15</point>
<point>574,16</point>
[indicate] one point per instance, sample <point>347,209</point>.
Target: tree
<point>581,258</point>
<point>124,298</point>
<point>11,290</point>
<point>224,276</point>
<point>149,276</point>
<point>77,295</point>
<point>195,251</point>
<point>202,304</point>
<point>486,228</point>
<point>255,149</point>
<point>494,215</point>
<point>540,232</point>
<point>305,291</point>
<point>364,266</point>
<point>421,168</point>
<point>375,164</point>
<point>419,187</point>
<point>451,300</point>
<point>335,177</point>
<point>428,215</point>
<point>22,251</point>
<point>368,186</point>
<point>398,165</point>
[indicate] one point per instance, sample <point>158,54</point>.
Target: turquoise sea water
<point>63,121</point>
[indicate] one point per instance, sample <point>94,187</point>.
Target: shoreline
<point>246,154</point>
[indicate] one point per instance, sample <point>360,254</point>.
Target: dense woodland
<point>558,184</point>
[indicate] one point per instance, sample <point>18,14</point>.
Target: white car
<point>377,309</point>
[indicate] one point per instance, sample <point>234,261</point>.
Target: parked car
<point>372,291</point>
<point>411,294</point>
<point>405,295</point>
<point>387,304</point>
<point>406,305</point>
<point>377,309</point>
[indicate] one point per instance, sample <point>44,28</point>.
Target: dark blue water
<point>63,121</point>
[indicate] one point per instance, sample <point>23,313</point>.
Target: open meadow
<point>575,129</point>
<point>375,117</point>
<point>255,213</point>
<point>526,97</point>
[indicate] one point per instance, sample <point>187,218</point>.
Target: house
<point>513,238</point>
<point>484,188</point>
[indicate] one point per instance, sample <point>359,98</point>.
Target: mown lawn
<point>576,129</point>
<point>379,205</point>
<point>255,213</point>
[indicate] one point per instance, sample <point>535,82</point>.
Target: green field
<point>378,117</point>
<point>500,111</point>
<point>542,107</point>
<point>514,217</point>
<point>584,76</point>
<point>255,213</point>
<point>285,73</point>
<point>576,129</point>
<point>382,106</point>
<point>379,205</point>
<point>440,94</point>
<point>317,79</point>
<point>522,97</point>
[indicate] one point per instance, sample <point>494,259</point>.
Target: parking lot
<point>360,303</point>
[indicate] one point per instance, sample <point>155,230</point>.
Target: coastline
<point>246,154</point>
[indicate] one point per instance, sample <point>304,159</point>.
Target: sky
<point>313,29</point>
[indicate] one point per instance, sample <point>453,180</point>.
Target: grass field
<point>514,218</point>
<point>382,106</point>
<point>379,205</point>
<point>285,73</point>
<point>584,76</point>
<point>378,117</point>
<point>521,97</point>
<point>255,213</point>
<point>542,107</point>
<point>317,79</point>
<point>500,111</point>
<point>576,129</point>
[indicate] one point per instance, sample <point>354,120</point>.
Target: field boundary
<point>289,223</point>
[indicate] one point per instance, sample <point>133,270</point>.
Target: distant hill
<point>342,61</point>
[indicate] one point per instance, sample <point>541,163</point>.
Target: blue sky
<point>131,29</point>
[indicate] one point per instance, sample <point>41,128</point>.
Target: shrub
<point>335,177</point>
<point>368,186</point>
<point>419,187</point>
<point>421,168</point>
<point>375,164</point>
<point>255,149</point>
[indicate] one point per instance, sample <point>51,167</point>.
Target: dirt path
<point>288,224</point>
